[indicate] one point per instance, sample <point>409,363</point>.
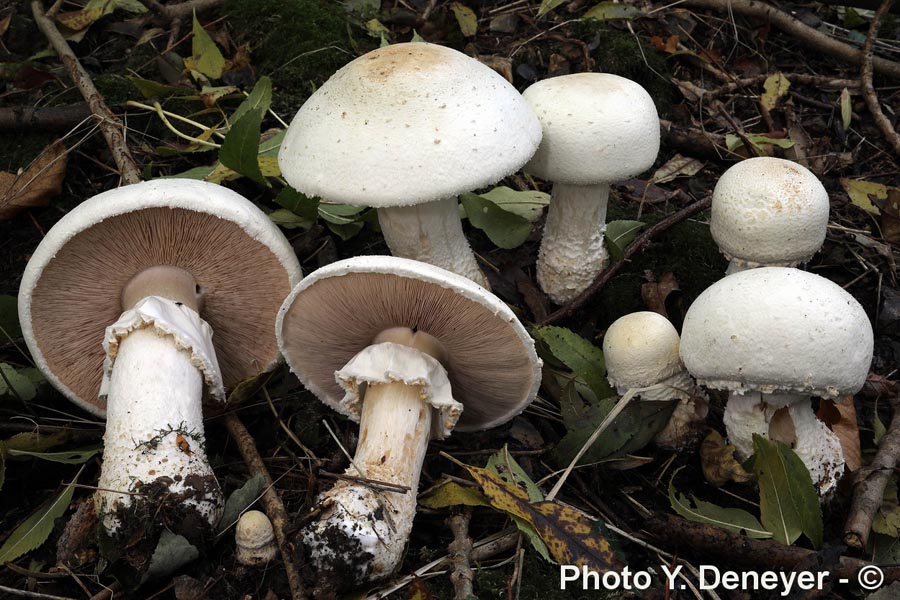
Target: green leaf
<point>618,235</point>
<point>730,519</point>
<point>548,5</point>
<point>35,530</point>
<point>453,494</point>
<point>240,149</point>
<point>240,500</point>
<point>154,89</point>
<point>879,430</point>
<point>788,502</point>
<point>299,211</point>
<point>32,441</point>
<point>416,37</point>
<point>69,457</point>
<point>16,384</point>
<point>466,18</point>
<point>172,552</point>
<point>271,145</point>
<point>528,204</point>
<point>861,193</point>
<point>260,98</point>
<point>505,229</point>
<point>346,231</point>
<point>608,11</point>
<point>9,319</point>
<point>205,54</point>
<point>581,356</point>
<point>887,519</point>
<point>733,142</point>
<point>504,465</point>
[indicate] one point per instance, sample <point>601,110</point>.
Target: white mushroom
<point>159,266</point>
<point>768,212</point>
<point>254,539</point>
<point>773,337</point>
<point>401,347</point>
<point>597,129</point>
<point>406,128</point>
<point>640,351</point>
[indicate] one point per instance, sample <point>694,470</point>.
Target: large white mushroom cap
<point>597,128</point>
<point>406,124</point>
<point>769,211</point>
<point>777,329</point>
<point>641,349</point>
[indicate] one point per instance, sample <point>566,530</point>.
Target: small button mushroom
<point>464,127</point>
<point>768,212</point>
<point>641,351</point>
<point>597,129</point>
<point>773,337</point>
<point>402,347</point>
<point>118,306</point>
<point>254,539</point>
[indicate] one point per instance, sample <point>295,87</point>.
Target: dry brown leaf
<point>668,45</point>
<point>718,462</point>
<point>501,64</point>
<point>4,24</point>
<point>654,293</point>
<point>36,185</point>
<point>418,590</point>
<point>782,429</point>
<point>841,419</point>
<point>79,19</point>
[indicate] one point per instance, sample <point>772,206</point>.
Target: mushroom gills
<point>159,355</point>
<point>364,527</point>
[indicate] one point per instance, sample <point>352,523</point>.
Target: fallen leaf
<point>610,11</point>
<point>505,229</point>
<point>240,500</point>
<point>449,493</point>
<point>887,519</point>
<point>760,142</point>
<point>677,166</point>
<point>668,45</point>
<point>36,185</point>
<point>846,109</point>
<point>718,462</point>
<point>4,24</point>
<point>618,235</point>
<point>861,193</point>
<point>655,293</point>
<point>205,55</point>
<point>782,429</point>
<point>582,357</point>
<point>466,18</point>
<point>500,64</point>
<point>776,86</point>
<point>548,5</point>
<point>418,590</point>
<point>841,419</point>
<point>735,520</point>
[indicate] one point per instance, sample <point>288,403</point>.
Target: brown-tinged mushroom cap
<point>72,287</point>
<point>338,310</point>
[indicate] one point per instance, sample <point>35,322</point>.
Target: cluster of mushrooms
<point>145,303</point>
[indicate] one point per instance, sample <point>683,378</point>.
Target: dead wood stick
<point>802,32</point>
<point>182,9</point>
<point>693,142</point>
<point>695,539</point>
<point>801,78</point>
<point>460,551</point>
<point>271,501</point>
<point>51,118</point>
<point>869,483</point>
<point>868,90</point>
<point>632,249</point>
<point>110,125</point>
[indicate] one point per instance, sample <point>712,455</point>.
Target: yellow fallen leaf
<point>776,86</point>
<point>718,462</point>
<point>34,186</point>
<point>859,191</point>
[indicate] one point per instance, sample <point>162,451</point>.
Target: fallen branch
<point>868,90</point>
<point>693,142</point>
<point>271,501</point>
<point>51,118</point>
<point>632,249</point>
<point>182,9</point>
<point>110,125</point>
<point>460,551</point>
<point>799,30</point>
<point>696,539</point>
<point>869,484</point>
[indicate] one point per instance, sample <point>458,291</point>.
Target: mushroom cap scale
<point>777,329</point>
<point>641,349</point>
<point>406,124</point>
<point>338,310</point>
<point>597,128</point>
<point>769,211</point>
<point>71,288</point>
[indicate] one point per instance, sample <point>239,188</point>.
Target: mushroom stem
<point>431,233</point>
<point>736,266</point>
<point>572,252</point>
<point>817,446</point>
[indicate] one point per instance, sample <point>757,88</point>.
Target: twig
<point>272,502</point>
<point>632,249</point>
<point>460,551</point>
<point>865,76</point>
<point>27,594</point>
<point>51,118</point>
<point>110,125</point>
<point>798,30</point>
<point>182,9</point>
<point>869,484</point>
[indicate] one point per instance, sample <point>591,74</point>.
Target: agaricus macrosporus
<point>641,351</point>
<point>598,129</point>
<point>406,128</point>
<point>773,337</point>
<point>254,539</point>
<point>402,347</point>
<point>768,212</point>
<point>119,304</point>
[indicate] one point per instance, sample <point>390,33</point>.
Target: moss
<point>18,150</point>
<point>115,89</point>
<point>299,43</point>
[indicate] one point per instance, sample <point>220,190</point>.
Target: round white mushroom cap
<point>776,329</point>
<point>254,537</point>
<point>338,310</point>
<point>406,124</point>
<point>641,349</point>
<point>769,211</point>
<point>71,289</point>
<point>597,128</point>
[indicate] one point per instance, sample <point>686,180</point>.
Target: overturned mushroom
<point>773,337</point>
<point>159,266</point>
<point>641,351</point>
<point>402,347</point>
<point>406,128</point>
